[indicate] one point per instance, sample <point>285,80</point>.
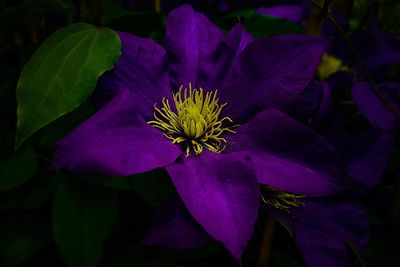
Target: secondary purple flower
<point>217,146</point>
<point>373,108</point>
<point>324,230</point>
<point>364,155</point>
<point>291,13</point>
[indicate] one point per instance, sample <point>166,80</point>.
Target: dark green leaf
<point>244,13</point>
<point>146,24</point>
<point>28,196</point>
<point>82,219</point>
<point>141,24</point>
<point>62,74</point>
<point>22,237</point>
<point>65,124</point>
<point>113,182</point>
<point>129,257</point>
<point>202,252</point>
<point>17,14</point>
<point>154,186</point>
<point>17,168</point>
<point>112,10</point>
<point>282,259</point>
<point>262,25</point>
<point>259,25</point>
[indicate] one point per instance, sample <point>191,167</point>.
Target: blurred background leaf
<point>259,25</point>
<point>83,217</point>
<point>16,167</point>
<point>22,237</point>
<point>154,186</point>
<point>57,219</point>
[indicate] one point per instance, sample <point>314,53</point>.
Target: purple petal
<point>289,156</point>
<point>214,70</point>
<point>115,141</point>
<point>379,51</point>
<point>368,168</point>
<point>373,108</point>
<point>313,103</point>
<point>291,13</point>
<point>270,72</point>
<point>173,226</point>
<point>222,194</point>
<point>191,40</point>
<point>365,156</point>
<point>141,69</point>
<point>323,230</point>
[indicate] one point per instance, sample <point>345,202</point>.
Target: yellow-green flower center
<point>330,65</point>
<point>279,199</point>
<point>194,122</point>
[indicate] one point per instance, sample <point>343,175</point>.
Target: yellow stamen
<point>195,123</point>
<point>330,65</point>
<point>279,199</point>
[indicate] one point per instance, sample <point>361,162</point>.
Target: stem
<point>266,242</point>
<point>350,8</point>
<point>157,6</point>
<point>364,19</point>
<point>362,65</point>
<point>325,8</point>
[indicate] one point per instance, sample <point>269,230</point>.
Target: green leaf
<point>29,196</point>
<point>82,219</point>
<point>145,24</point>
<point>65,124</point>
<point>260,25</point>
<point>202,252</point>
<point>22,237</point>
<point>111,182</point>
<point>282,259</point>
<point>16,15</point>
<point>62,74</point>
<point>154,186</point>
<point>17,168</point>
<point>128,257</point>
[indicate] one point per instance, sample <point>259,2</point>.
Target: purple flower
<point>294,11</point>
<point>373,108</point>
<point>217,146</point>
<point>364,155</point>
<point>325,230</point>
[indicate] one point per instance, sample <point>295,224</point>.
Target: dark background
<point>32,205</point>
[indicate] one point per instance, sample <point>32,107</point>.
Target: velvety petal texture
<point>379,51</point>
<point>312,104</point>
<point>365,156</point>
<point>324,230</point>
<point>289,156</point>
<point>373,108</point>
<point>191,40</point>
<point>222,194</point>
<point>270,72</point>
<point>214,71</point>
<point>367,168</point>
<point>258,79</point>
<point>115,141</point>
<point>173,226</point>
<point>141,69</point>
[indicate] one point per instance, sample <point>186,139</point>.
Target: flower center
<point>195,122</point>
<point>279,199</point>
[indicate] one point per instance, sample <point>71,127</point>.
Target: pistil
<point>194,121</point>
